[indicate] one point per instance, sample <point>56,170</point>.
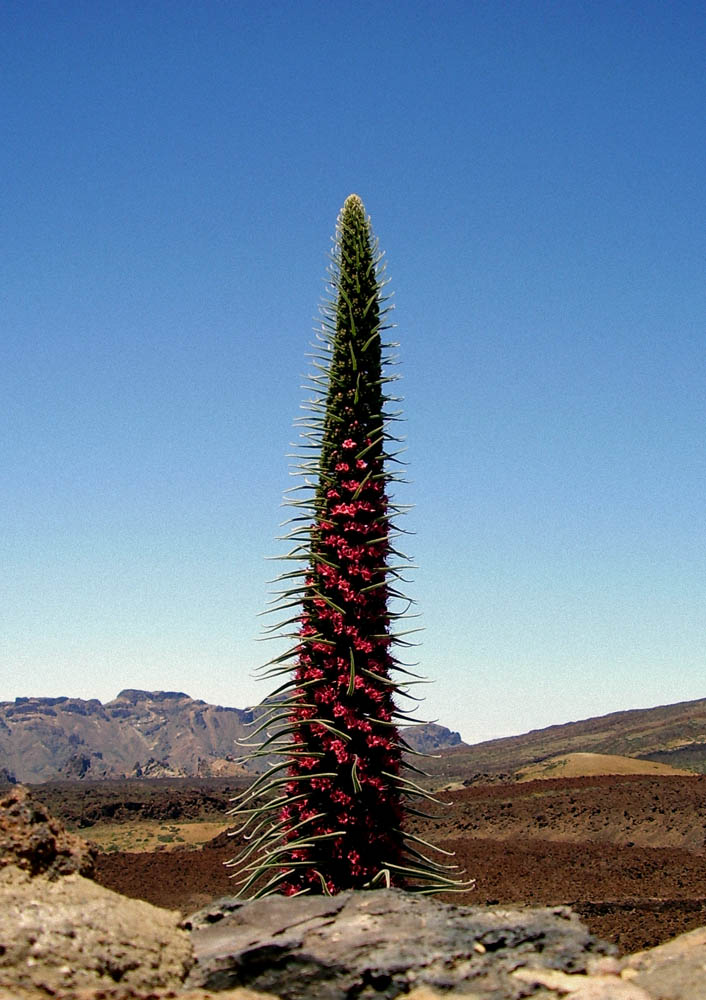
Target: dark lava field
<point>625,852</point>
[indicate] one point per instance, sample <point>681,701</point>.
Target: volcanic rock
<point>156,769</point>
<point>379,945</point>
<point>34,841</point>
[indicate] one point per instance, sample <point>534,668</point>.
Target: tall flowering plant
<point>329,816</point>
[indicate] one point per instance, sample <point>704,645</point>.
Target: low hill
<point>669,734</point>
<point>151,734</point>
<point>580,765</point>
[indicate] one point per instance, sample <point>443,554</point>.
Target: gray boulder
<point>379,945</point>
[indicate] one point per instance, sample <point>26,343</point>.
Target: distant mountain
<point>670,734</point>
<point>138,734</point>
<point>168,734</point>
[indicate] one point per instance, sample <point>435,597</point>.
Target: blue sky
<point>171,175</point>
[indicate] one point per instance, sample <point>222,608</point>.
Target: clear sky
<point>171,174</point>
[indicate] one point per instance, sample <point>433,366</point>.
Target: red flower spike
<point>344,829</point>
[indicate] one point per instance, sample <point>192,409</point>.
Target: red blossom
<point>341,690</point>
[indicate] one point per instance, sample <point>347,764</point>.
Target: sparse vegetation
<point>150,835</point>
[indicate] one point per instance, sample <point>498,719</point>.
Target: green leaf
<point>354,777</point>
<point>351,682</point>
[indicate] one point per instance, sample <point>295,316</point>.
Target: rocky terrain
<point>82,804</point>
<point>626,852</point>
<point>142,734</point>
<point>60,932</point>
<point>63,935</point>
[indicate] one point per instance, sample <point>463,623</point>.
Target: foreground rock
<point>381,944</point>
<point>60,933</point>
<point>71,934</point>
<point>672,971</point>
<point>34,841</point>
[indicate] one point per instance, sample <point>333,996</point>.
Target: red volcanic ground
<point>626,853</point>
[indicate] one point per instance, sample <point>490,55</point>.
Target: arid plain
<point>625,851</point>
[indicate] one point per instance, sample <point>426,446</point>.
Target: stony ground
<point>626,853</point>
<point>634,897</point>
<point>65,936</point>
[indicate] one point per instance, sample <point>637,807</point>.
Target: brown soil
<point>627,853</point>
<point>629,810</point>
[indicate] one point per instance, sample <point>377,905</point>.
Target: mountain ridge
<point>139,734</point>
<point>170,734</point>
